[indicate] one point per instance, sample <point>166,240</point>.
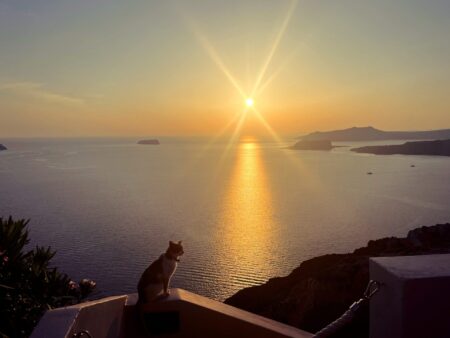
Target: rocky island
<point>437,148</point>
<point>2,147</point>
<point>322,288</point>
<point>373,134</point>
<point>149,142</point>
<point>312,145</point>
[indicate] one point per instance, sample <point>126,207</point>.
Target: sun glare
<point>247,96</point>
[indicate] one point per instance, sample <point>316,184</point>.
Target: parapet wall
<point>414,298</point>
<point>182,314</point>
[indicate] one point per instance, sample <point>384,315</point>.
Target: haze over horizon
<point>110,68</point>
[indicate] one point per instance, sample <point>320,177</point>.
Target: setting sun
<point>249,102</point>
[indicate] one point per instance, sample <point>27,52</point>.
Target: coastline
<point>434,148</point>
<point>322,288</point>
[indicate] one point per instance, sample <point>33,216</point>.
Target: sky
<point>185,67</point>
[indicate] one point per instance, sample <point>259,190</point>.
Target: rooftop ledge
<point>182,314</point>
<point>413,302</point>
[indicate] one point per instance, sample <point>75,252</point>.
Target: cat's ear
<point>171,243</point>
<point>179,242</point>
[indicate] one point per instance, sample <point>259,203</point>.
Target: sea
<point>245,211</point>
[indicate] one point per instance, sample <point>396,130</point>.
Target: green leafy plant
<point>28,284</point>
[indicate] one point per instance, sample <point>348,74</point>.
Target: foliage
<point>28,284</point>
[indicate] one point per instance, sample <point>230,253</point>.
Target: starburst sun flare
<point>258,85</point>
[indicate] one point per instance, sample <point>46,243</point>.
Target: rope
<point>347,316</point>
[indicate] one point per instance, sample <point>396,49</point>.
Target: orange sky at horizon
<point>185,68</point>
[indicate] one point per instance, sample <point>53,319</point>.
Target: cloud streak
<point>37,91</point>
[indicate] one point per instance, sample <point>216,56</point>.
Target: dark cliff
<point>322,288</point>
<point>437,148</point>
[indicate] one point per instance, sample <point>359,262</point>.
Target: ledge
<point>182,314</point>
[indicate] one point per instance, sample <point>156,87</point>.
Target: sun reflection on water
<point>247,233</point>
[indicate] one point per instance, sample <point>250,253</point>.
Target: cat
<point>155,280</point>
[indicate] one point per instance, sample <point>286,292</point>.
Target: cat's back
<point>152,275</point>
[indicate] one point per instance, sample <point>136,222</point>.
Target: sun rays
<point>274,48</point>
<point>262,79</point>
<point>215,57</point>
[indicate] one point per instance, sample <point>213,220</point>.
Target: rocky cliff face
<point>437,148</point>
<point>322,288</point>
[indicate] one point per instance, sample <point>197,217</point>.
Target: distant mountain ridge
<point>312,145</point>
<point>372,134</point>
<point>436,147</point>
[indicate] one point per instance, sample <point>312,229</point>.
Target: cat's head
<point>176,249</point>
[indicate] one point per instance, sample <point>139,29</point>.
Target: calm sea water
<point>245,213</point>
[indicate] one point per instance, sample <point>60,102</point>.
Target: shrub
<point>28,285</point>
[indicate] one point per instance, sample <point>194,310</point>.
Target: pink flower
<point>88,283</point>
<point>72,285</point>
<point>5,259</point>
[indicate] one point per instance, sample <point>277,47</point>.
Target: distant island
<point>372,134</point>
<point>149,142</point>
<point>322,288</point>
<point>437,148</point>
<point>312,145</point>
<point>2,147</point>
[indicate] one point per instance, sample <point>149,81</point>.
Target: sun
<point>249,102</point>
